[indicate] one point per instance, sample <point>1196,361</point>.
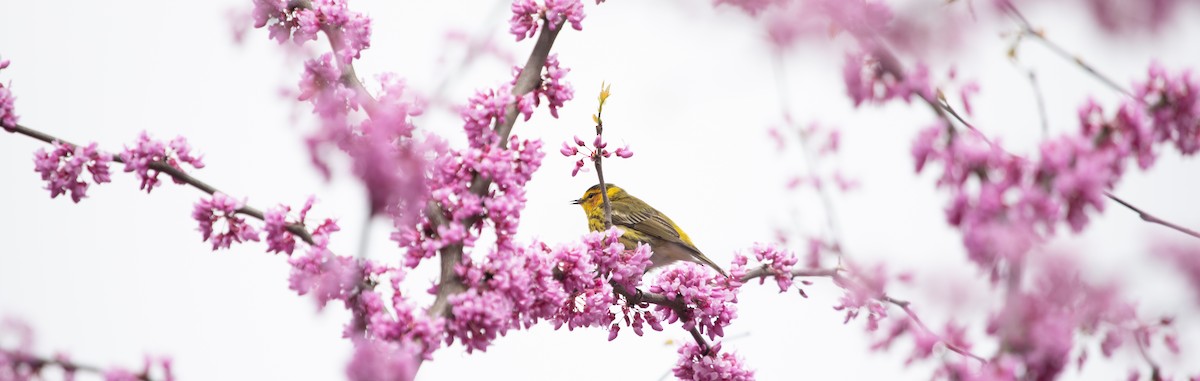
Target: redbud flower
<point>599,143</point>
<point>377,360</point>
<point>711,306</point>
<point>324,275</point>
<point>220,207</point>
<point>568,150</point>
<point>624,152</point>
<point>559,12</point>
<point>61,168</point>
<point>8,117</point>
<point>148,152</point>
<point>780,262</point>
<point>698,365</point>
<point>278,238</point>
<point>524,21</point>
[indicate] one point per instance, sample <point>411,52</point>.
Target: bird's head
<point>591,198</point>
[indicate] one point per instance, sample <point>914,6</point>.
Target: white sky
<point>122,274</point>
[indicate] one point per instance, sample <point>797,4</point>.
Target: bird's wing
<point>646,220</point>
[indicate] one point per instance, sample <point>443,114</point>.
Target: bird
<point>642,223</point>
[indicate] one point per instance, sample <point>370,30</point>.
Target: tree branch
<point>1151,218</point>
<point>36,363</point>
<point>1027,29</point>
<point>451,255</point>
<point>177,174</point>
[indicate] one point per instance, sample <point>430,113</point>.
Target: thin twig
<point>178,175</point>
<point>1027,29</point>
<point>809,158</point>
<point>36,363</point>
<point>905,306</point>
<point>1152,218</point>
<point>1041,103</point>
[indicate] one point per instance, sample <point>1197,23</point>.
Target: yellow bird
<point>642,223</point>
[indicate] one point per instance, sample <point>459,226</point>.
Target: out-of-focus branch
<point>16,359</point>
<point>905,306</point>
<point>809,158</point>
<point>1027,29</point>
<point>1152,218</point>
<point>451,255</point>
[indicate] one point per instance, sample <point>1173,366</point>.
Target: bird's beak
<point>576,202</point>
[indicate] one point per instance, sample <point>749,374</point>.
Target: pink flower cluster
<point>571,285</point>
<point>1120,16</point>
<point>598,149</point>
<point>20,364</point>
<point>778,261</point>
<point>507,166</point>
<point>8,117</point>
<point>379,360</point>
<point>275,226</point>
<point>709,300</point>
<point>409,325</point>
<point>1037,327</point>
<point>863,291</point>
<point>222,208</point>
<point>321,84</point>
<point>1005,203</point>
<point>349,31</point>
<point>589,274</point>
<point>511,289</point>
<point>1173,105</point>
<point>696,364</point>
<point>869,78</point>
<point>148,153</point>
<point>552,86</point>
<point>526,13</point>
<point>62,166</point>
<point>324,274</point>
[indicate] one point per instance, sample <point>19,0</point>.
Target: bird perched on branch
<point>642,223</point>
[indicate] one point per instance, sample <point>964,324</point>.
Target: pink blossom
<point>778,261</point>
<point>377,360</point>
<point>524,21</point>
<point>118,374</point>
<point>61,168</point>
<point>479,317</point>
<point>324,275</point>
<point>275,227</point>
<point>410,325</point>
<point>869,78</point>
<point>700,365</point>
<point>148,153</point>
<point>222,208</point>
<point>350,31</point>
<point>613,262</point>
<point>1119,16</point>
<point>624,152</point>
<point>553,88</point>
<point>1173,104</point>
<point>751,7</point>
<point>863,292</point>
<point>8,117</point>
<point>710,305</point>
<point>483,110</point>
<point>322,86</point>
<point>559,12</point>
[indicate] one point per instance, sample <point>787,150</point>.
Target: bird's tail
<point>701,259</point>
